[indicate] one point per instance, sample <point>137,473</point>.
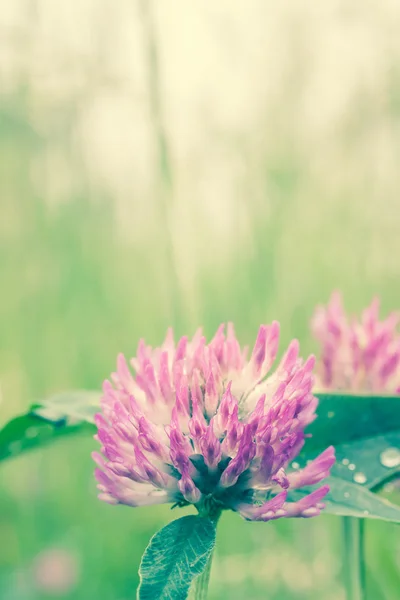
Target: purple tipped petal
<point>124,375</point>
<point>266,465</point>
<point>107,498</point>
<point>257,414</point>
<point>164,378</point>
<point>225,410</point>
<point>266,512</point>
<point>309,506</point>
<point>389,366</point>
<point>210,447</point>
<point>233,355</point>
<point>289,360</point>
<point>198,422</point>
<point>242,460</point>
<point>258,355</point>
<point>232,472</point>
<point>234,433</point>
<point>181,348</point>
<point>273,344</point>
<point>149,438</point>
<point>281,479</point>
<point>314,472</point>
<point>211,396</point>
<point>188,489</point>
<point>218,343</point>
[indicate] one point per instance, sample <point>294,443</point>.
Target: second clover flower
<point>358,353</point>
<point>201,424</point>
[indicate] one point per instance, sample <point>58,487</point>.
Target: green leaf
<point>81,405</point>
<point>364,462</point>
<point>350,500</point>
<point>29,431</point>
<point>344,418</point>
<point>175,556</point>
<point>61,415</point>
<point>362,429</point>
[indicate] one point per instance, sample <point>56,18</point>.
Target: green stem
<point>354,559</point>
<point>200,585</point>
<point>163,167</point>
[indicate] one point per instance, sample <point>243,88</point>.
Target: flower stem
<point>199,589</point>
<point>164,174</point>
<point>200,585</point>
<point>354,559</point>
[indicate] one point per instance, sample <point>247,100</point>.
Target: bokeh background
<point>171,162</point>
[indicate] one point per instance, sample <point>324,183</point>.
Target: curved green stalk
<point>354,558</point>
<point>163,167</point>
<point>200,585</point>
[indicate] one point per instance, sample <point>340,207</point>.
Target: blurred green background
<point>183,163</point>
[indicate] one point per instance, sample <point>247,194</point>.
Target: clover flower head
<point>357,353</point>
<point>202,424</point>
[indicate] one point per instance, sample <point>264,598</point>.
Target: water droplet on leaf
<point>15,447</point>
<point>345,462</point>
<point>31,432</point>
<point>331,414</point>
<point>352,467</point>
<point>295,465</point>
<point>360,478</point>
<point>390,458</point>
<point>347,494</point>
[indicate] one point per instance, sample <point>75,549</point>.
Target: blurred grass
<point>303,212</point>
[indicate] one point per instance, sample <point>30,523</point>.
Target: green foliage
<point>59,416</point>
<point>30,431</point>
<point>176,555</point>
<point>344,417</point>
<point>363,429</point>
<point>371,461</point>
<point>351,500</point>
<point>76,405</point>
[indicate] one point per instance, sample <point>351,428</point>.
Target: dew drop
<point>295,465</point>
<point>360,478</point>
<point>352,467</point>
<point>15,447</point>
<point>347,494</point>
<point>331,414</point>
<point>31,432</point>
<point>390,458</point>
<point>345,462</point>
<point>366,512</point>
